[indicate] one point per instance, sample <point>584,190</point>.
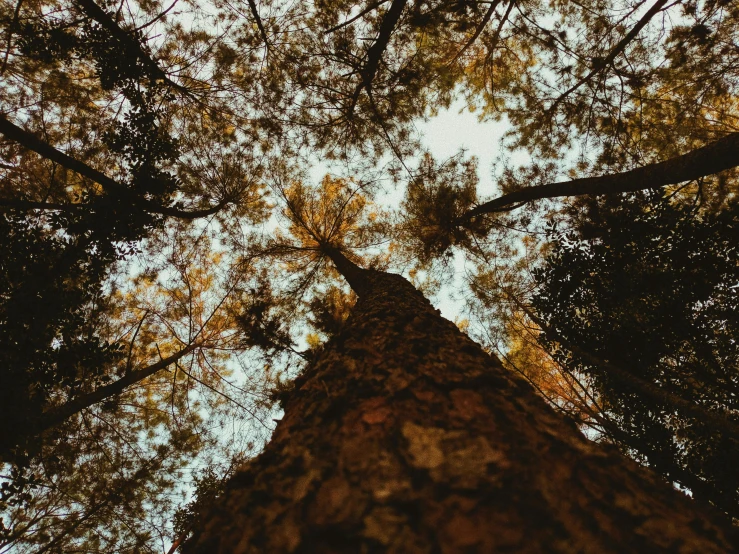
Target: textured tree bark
<point>404,436</point>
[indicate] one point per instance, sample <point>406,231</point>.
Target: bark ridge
<point>404,436</point>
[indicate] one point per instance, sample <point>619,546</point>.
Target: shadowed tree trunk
<point>404,436</point>
<point>29,425</point>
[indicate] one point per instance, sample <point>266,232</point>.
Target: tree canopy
<point>649,287</point>
<point>174,178</point>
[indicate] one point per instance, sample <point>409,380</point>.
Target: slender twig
<point>613,54</point>
<point>478,30</point>
<point>364,12</point>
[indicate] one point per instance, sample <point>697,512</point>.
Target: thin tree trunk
<point>32,142</point>
<point>404,436</point>
<point>11,437</point>
<point>712,158</point>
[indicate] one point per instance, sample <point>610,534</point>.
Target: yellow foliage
<point>463,324</point>
<point>334,214</point>
<point>313,340</point>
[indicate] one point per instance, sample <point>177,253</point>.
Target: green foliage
<point>650,286</point>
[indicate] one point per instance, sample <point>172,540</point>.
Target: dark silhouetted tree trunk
<point>404,436</point>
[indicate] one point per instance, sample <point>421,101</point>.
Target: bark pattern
<point>404,436</point>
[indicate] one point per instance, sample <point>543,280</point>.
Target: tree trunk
<point>404,436</point>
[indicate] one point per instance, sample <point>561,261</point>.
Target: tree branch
<point>32,142</point>
<point>374,54</point>
<point>32,205</point>
<point>255,13</point>
<point>712,158</point>
<point>133,46</point>
<point>478,30</point>
<point>620,47</point>
<point>57,415</point>
<point>364,12</point>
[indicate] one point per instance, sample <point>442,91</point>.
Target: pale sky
<point>444,135</point>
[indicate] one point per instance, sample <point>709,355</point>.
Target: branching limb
<point>95,12</point>
<point>608,60</point>
<point>55,416</point>
<point>374,54</point>
<point>258,20</point>
<point>486,18</point>
<point>712,158</point>
<point>32,142</point>
<point>361,14</point>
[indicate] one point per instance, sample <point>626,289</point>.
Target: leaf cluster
<point>649,286</point>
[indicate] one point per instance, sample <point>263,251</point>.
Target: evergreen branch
<point>707,160</point>
<point>133,46</point>
<point>613,54</point>
<point>486,18</point>
<point>7,203</point>
<point>364,12</point>
<point>636,383</point>
<point>57,415</point>
<point>32,142</point>
<point>9,36</point>
<point>374,54</point>
<point>258,20</point>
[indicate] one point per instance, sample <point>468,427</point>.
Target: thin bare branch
<point>364,12</point>
<point>478,30</point>
<point>620,47</point>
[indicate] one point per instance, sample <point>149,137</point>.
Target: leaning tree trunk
<point>404,436</point>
